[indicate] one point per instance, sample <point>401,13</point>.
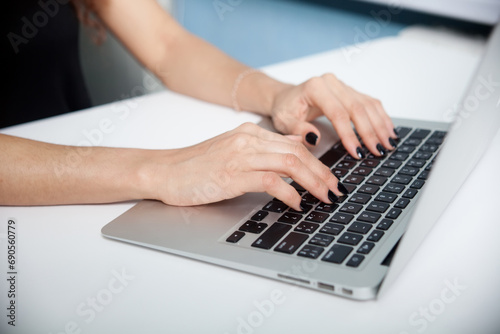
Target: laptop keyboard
<point>346,232</point>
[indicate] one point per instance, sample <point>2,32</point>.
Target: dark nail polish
<point>303,206</point>
<point>396,132</point>
<point>381,149</point>
<point>342,188</point>
<point>332,197</point>
<point>311,138</point>
<point>360,153</point>
<point>393,142</point>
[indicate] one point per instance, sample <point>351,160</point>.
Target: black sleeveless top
<point>40,60</point>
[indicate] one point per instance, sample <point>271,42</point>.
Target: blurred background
<point>264,32</point>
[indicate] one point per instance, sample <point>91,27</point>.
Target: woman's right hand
<point>246,159</point>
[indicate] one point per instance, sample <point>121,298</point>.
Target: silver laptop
<point>354,248</point>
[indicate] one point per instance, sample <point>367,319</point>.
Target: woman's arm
<point>191,66</point>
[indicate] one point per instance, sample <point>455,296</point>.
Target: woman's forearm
<point>37,173</point>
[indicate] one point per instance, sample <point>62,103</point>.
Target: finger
<point>322,97</point>
<point>385,117</point>
<point>271,183</point>
<point>310,135</point>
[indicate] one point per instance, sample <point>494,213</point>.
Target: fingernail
<point>342,188</point>
<point>381,149</point>
<point>332,197</point>
<point>311,138</point>
<point>360,153</point>
<point>396,132</point>
<point>393,142</point>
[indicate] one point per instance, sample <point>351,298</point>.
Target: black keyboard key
<point>297,187</point>
<point>350,238</point>
<point>363,171</point>
<point>291,242</point>
<point>316,216</point>
<point>375,235</point>
<point>368,189</point>
<point>365,247</point>
<point>337,254</point>
<point>354,179</point>
<point>253,227</point>
<point>339,173</point>
<point>422,155</point>
<point>307,227</point>
<point>342,218</point>
<point>410,193</point>
<point>376,180</point>
<point>434,141</point>
<point>271,235</point>
<point>394,188</point>
<point>259,215</point>
<point>309,199</point>
<point>401,179</point>
<point>413,141</point>
<point>402,203</point>
<point>321,239</point>
<point>394,164</point>
<point>417,184</point>
<point>359,227</point>
<point>429,148</point>
<point>399,156</point>
<point>332,229</point>
<point>324,207</point>
<point>351,208</point>
<point>384,224</point>
<point>386,197</point>
<point>274,206</point>
<point>423,176</point>
<point>310,251</point>
<point>290,218</point>
<point>379,207</point>
<point>360,198</point>
<point>355,260</point>
<point>385,172</point>
<point>235,237</point>
<point>416,163</point>
<point>410,171</point>
<point>420,133</point>
<point>402,131</point>
<point>370,163</point>
<point>369,217</point>
<point>345,164</point>
<point>393,213</point>
<point>406,149</point>
<point>331,157</point>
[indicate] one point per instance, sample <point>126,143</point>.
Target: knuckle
<point>291,160</point>
<point>329,76</point>
<point>313,84</point>
<point>270,181</point>
<point>357,109</point>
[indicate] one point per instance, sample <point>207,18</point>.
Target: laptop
<point>356,247</point>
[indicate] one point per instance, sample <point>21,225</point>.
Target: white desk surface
<point>67,271</point>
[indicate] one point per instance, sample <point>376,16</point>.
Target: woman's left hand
<point>295,106</point>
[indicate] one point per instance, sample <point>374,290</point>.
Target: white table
<point>72,280</point>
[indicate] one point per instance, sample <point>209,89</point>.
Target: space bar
<point>272,235</point>
<point>331,157</point>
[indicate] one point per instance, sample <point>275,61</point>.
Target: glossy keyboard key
<point>368,189</point>
<point>317,217</point>
<point>360,198</point>
<point>369,217</point>
<point>342,218</point>
<point>350,238</point>
<point>235,237</point>
<point>379,207</point>
<point>331,228</point>
<point>272,235</point>
<point>401,179</point>
<point>253,227</point>
<point>310,251</point>
<point>291,243</point>
<point>354,179</point>
<point>328,208</point>
<point>307,227</point>
<point>320,239</point>
<point>359,227</point>
<point>290,218</point>
<point>376,180</point>
<point>259,215</point>
<point>351,208</point>
<point>355,260</point>
<point>337,254</point>
<point>394,188</point>
<point>386,197</point>
<point>274,206</point>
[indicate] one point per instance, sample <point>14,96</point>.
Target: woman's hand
<point>246,159</point>
<point>295,106</point>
